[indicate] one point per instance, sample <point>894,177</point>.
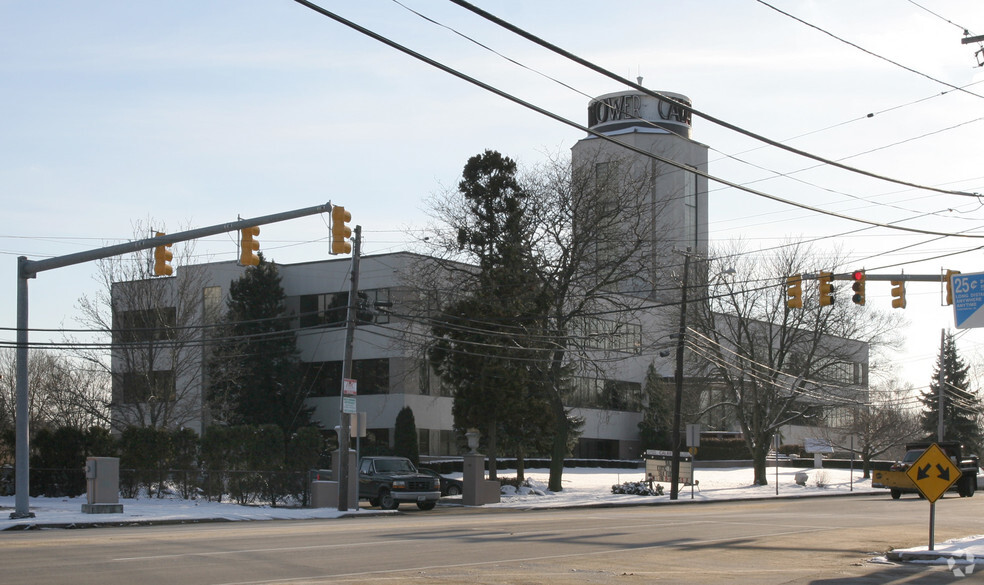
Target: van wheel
<point>896,494</point>
<point>426,505</point>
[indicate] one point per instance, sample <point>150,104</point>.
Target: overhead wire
<point>868,52</point>
<point>598,69</point>
<point>643,152</point>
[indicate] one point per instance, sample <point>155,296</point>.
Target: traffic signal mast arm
<point>880,277</point>
<point>31,268</point>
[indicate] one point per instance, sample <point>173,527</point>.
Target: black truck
<point>388,481</point>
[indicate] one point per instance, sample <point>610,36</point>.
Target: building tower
<point>673,200</point>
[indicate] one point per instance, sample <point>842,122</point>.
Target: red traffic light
<point>858,275</point>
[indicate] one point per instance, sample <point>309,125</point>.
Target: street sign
<point>693,435</point>
<point>968,300</point>
<point>933,473</point>
<point>348,396</point>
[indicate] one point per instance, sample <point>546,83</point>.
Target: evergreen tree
<point>485,336</point>
<point>657,415</point>
<point>254,370</point>
<point>962,407</point>
<point>405,436</point>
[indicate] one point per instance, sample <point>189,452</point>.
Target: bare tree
<point>156,327</point>
<point>780,366</point>
<point>884,425</point>
<point>63,392</point>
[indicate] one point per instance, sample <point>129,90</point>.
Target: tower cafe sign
<point>630,109</point>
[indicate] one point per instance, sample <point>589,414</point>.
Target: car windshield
<point>911,456</point>
<point>394,465</point>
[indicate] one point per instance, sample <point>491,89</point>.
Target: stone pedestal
<point>478,490</point>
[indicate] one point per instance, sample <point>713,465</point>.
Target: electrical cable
<point>621,144</point>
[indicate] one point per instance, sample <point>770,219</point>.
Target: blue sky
<point>187,114</point>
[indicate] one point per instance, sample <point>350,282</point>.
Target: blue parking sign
<point>968,300</point>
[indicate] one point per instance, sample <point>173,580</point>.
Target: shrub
<point>638,488</point>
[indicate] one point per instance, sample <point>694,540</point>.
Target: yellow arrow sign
<point>933,473</point>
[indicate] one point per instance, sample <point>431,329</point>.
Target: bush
<point>638,488</point>
<point>723,449</point>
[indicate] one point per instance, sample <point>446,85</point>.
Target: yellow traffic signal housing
<point>826,289</point>
<point>162,259</point>
<point>249,246</point>
<point>340,233</point>
<point>858,287</point>
<point>794,292</point>
<point>898,294</point>
<point>949,285</point>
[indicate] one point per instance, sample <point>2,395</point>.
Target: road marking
<point>260,550</point>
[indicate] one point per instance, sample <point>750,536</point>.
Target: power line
<point>640,151</point>
<point>863,50</point>
<point>598,69</point>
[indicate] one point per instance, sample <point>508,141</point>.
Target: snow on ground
<point>582,487</point>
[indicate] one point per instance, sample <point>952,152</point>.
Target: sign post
<point>933,473</point>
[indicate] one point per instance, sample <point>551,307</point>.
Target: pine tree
<point>405,441</point>
<point>962,407</point>
<point>254,370</point>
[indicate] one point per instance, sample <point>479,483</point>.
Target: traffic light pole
<point>27,269</point>
<point>344,418</point>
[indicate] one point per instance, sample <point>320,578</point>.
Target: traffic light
<point>794,292</point>
<point>898,294</point>
<point>162,259</point>
<point>858,287</point>
<point>949,285</point>
<point>826,288</point>
<point>249,246</point>
<point>339,231</point>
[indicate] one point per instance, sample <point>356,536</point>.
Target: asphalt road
<point>820,541</point>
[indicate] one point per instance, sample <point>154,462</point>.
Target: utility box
<point>102,483</point>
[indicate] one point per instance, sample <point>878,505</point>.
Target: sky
<point>582,487</point>
<point>187,114</point>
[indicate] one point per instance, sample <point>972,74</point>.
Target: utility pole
<point>678,378</point>
<point>345,417</point>
<point>939,418</point>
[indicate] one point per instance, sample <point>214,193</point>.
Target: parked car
<point>449,485</point>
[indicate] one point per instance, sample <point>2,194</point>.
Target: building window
<point>609,335</point>
<point>331,309</point>
<point>690,209</point>
<point>156,385</point>
<point>145,325</point>
<point>603,394</point>
<point>212,305</point>
<point>325,378</point>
